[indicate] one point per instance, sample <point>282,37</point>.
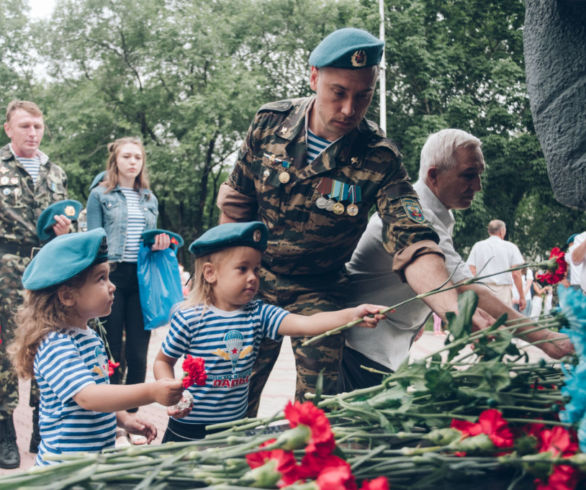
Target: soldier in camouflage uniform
<point>316,210</point>
<point>21,203</point>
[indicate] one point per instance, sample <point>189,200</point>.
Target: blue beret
<point>97,179</point>
<point>64,257</point>
<point>572,238</point>
<point>252,234</point>
<point>69,207</point>
<point>347,48</point>
<point>148,237</point>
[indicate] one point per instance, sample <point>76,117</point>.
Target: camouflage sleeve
<point>235,205</point>
<point>237,197</point>
<point>406,233</point>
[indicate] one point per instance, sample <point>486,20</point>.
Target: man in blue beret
<point>311,169</point>
<point>29,183</point>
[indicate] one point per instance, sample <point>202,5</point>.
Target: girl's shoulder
<point>100,191</point>
<point>259,307</point>
<point>189,313</point>
<point>57,337</point>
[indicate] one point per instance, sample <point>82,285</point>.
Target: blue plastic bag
<point>159,285</point>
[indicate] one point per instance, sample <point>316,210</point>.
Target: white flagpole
<point>383,69</point>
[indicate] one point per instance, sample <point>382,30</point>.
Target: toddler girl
<point>67,284</point>
<point>223,324</point>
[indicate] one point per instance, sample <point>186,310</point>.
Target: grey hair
<point>495,226</point>
<point>438,151</point>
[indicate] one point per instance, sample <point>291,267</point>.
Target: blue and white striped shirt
<point>65,363</point>
<point>136,224</point>
<point>315,145</point>
<point>32,166</point>
<point>228,341</point>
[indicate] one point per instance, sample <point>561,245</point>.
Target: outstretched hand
<point>370,315</point>
<point>557,346</point>
<point>168,391</point>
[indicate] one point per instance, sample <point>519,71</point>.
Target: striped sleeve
<point>61,366</point>
<point>271,317</point>
<point>178,339</point>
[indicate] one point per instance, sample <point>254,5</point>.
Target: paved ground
<point>279,389</point>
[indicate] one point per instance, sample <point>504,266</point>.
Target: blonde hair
<point>25,105</point>
<point>42,313</point>
<point>202,292</point>
<point>111,181</point>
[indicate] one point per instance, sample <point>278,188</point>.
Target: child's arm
<point>163,366</point>
<point>301,325</point>
<point>163,369</point>
<point>113,398</point>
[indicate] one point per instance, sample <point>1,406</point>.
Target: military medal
<point>6,191</point>
<point>321,202</point>
<point>338,208</point>
<point>3,170</point>
<point>284,176</point>
<point>4,180</point>
<point>14,180</point>
<point>355,195</point>
<point>324,187</point>
<point>330,205</point>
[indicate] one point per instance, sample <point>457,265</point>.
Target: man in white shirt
<point>494,255</point>
<point>577,254</point>
<point>449,177</point>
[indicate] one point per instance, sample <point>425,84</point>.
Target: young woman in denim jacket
<point>124,206</point>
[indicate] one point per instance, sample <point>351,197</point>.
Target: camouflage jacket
<point>303,237</point>
<point>22,202</point>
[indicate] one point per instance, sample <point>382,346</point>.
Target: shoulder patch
<point>279,106</point>
<point>413,209</point>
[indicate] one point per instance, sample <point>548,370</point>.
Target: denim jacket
<point>109,211</point>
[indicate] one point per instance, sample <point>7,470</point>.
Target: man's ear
<point>432,174</point>
<point>209,273</point>
<point>66,296</point>
<point>314,75</point>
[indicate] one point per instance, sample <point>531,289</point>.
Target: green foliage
<point>16,54</point>
<point>188,75</point>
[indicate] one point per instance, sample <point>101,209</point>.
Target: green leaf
<point>460,325</point>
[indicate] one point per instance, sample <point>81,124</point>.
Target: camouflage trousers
<point>304,296</point>
<point>11,297</point>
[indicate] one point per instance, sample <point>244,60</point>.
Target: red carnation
<point>557,268</point>
<point>112,367</point>
<point>286,463</point>
<point>559,442</point>
<point>563,477</point>
<point>379,483</point>
<point>335,474</point>
<point>322,439</point>
<point>194,371</point>
<point>491,423</point>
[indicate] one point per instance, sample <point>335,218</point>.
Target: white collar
<point>431,202</point>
